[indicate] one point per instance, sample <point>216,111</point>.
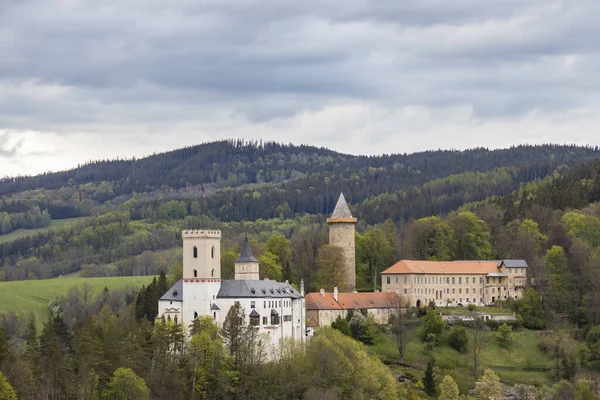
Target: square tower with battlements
<point>341,234</point>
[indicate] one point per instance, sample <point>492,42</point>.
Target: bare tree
<point>398,318</point>
<point>479,340</point>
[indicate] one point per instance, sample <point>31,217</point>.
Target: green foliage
<point>432,323</point>
<point>6,390</point>
<point>340,363</point>
<point>449,389</point>
<point>341,324</point>
<point>270,266</point>
<point>472,237</point>
<point>529,307</point>
<point>584,391</point>
<point>488,387</point>
<point>126,385</point>
<point>363,328</point>
<point>429,379</point>
<point>504,335</point>
<point>458,339</point>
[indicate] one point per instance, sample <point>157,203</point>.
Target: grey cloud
<point>141,62</point>
<point>6,150</point>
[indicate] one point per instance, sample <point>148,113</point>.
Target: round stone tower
<point>341,234</point>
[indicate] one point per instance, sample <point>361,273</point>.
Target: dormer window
<point>195,252</point>
<point>174,293</point>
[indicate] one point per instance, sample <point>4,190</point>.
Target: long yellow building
<point>453,283</point>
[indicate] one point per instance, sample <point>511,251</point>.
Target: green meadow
<point>57,223</point>
<point>24,297</point>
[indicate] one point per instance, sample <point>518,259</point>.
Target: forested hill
<point>128,207</point>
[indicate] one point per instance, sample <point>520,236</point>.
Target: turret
<point>246,267</point>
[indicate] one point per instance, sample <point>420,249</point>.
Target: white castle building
<point>276,308</point>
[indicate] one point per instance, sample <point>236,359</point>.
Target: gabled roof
<point>175,293</point>
<point>214,307</point>
<point>350,301</point>
<point>442,267</point>
<point>513,263</point>
<point>254,313</point>
<point>246,255</point>
<point>312,323</point>
<point>257,289</point>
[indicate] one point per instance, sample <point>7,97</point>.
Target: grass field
<point>57,223</point>
<point>24,297</point>
<point>523,362</point>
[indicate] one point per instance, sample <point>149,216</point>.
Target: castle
<point>275,308</point>
<point>341,234</point>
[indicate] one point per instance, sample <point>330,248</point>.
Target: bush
<point>495,325</point>
<point>471,307</point>
<point>363,328</point>
<point>503,336</point>
<point>341,325</point>
<point>432,323</point>
<point>458,339</point>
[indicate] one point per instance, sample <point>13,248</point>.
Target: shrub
<point>432,323</point>
<point>429,379</point>
<point>471,307</point>
<point>458,338</point>
<point>503,336</point>
<point>341,325</point>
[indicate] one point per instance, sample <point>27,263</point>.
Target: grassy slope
<point>57,223</point>
<point>515,364</point>
<point>33,296</point>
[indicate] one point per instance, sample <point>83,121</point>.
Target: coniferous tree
<point>429,378</point>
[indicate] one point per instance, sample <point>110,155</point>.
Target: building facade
<point>452,283</point>
<point>341,234</point>
<point>275,308</point>
<point>323,308</point>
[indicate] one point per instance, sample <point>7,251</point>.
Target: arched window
<point>168,318</point>
<point>212,252</point>
<point>176,319</point>
<point>212,273</point>
<point>195,273</point>
<point>195,252</point>
<point>215,314</point>
<point>195,315</point>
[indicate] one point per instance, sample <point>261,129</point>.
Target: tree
<point>233,331</point>
<point>331,264</point>
<point>429,379</point>
<point>341,324</point>
<point>398,318</point>
<point>479,341</point>
<point>270,267</point>
<point>126,385</point>
<point>458,338</point>
<point>488,387</point>
<point>432,323</point>
<point>503,336</point>
<point>449,389</point>
<point>472,237</point>
<point>6,390</point>
<point>362,328</point>
<point>584,391</point>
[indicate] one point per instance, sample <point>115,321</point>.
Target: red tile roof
<point>442,267</point>
<point>350,301</point>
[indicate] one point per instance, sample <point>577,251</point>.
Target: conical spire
<point>341,208</point>
<point>246,255</point>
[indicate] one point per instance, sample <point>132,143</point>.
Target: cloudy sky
<point>98,79</point>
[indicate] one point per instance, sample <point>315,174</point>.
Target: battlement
<point>201,234</point>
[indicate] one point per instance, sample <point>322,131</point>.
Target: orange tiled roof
<point>442,267</point>
<point>350,301</point>
<point>312,323</point>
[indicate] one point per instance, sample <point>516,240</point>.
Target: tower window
<point>212,273</point>
<point>195,273</point>
<point>195,252</point>
<point>215,314</point>
<point>212,252</point>
<point>195,315</point>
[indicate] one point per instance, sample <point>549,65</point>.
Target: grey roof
<point>175,293</point>
<point>341,208</point>
<point>246,255</point>
<point>249,289</point>
<point>274,312</point>
<point>513,263</point>
<point>214,307</point>
<point>254,313</point>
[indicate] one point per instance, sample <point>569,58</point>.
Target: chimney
<point>302,287</point>
<point>335,293</point>
<point>322,292</point>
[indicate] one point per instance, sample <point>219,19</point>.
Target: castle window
<point>252,304</point>
<point>453,280</point>
<point>212,252</point>
<point>215,315</point>
<point>405,280</point>
<point>212,273</point>
<point>195,252</point>
<point>195,315</point>
<point>195,273</point>
<point>254,320</point>
<point>168,318</point>
<point>265,320</point>
<point>176,319</point>
<point>388,280</point>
